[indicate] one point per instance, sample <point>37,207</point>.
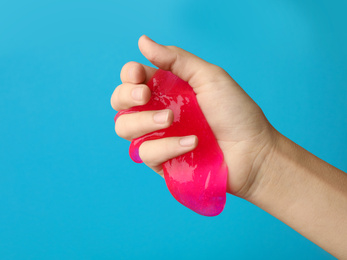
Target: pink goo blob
<point>198,178</point>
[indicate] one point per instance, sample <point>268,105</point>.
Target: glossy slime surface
<point>198,178</point>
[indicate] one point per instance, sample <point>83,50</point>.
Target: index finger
<point>136,73</point>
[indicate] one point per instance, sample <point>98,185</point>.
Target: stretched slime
<point>198,178</point>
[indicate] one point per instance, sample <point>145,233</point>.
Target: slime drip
<point>198,178</point>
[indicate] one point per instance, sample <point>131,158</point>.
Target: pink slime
<point>198,178</point>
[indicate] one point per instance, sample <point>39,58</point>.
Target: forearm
<point>306,193</point>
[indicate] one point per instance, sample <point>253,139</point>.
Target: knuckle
<point>126,66</point>
<point>121,98</point>
<point>155,152</point>
<point>121,129</point>
<point>148,153</point>
<point>118,130</point>
<point>153,56</point>
<point>115,99</point>
<point>145,156</point>
<point>174,48</point>
<point>115,105</point>
<point>219,70</point>
<point>216,73</point>
<point>167,144</point>
<point>112,104</point>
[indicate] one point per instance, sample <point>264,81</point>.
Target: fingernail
<point>161,117</point>
<point>137,93</point>
<point>187,141</point>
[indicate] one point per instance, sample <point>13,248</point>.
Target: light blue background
<point>68,189</point>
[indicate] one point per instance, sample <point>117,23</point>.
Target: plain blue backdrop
<point>68,189</point>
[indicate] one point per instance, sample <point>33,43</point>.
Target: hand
<point>240,127</point>
<point>265,167</point>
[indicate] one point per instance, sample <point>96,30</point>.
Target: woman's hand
<point>265,167</point>
<point>240,127</point>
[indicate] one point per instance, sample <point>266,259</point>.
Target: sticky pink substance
<point>198,178</point>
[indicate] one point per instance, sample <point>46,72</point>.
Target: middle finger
<point>134,125</point>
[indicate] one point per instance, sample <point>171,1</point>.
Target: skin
<point>265,167</point>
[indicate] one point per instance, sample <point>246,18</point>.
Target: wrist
<point>264,179</point>
<point>260,172</point>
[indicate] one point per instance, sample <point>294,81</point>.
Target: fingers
<point>136,73</point>
<point>134,125</point>
<point>155,152</point>
<point>133,91</point>
<point>128,95</point>
<point>185,65</point>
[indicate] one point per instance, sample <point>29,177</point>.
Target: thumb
<point>183,64</point>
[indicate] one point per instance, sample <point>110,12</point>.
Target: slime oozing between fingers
<point>198,178</point>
